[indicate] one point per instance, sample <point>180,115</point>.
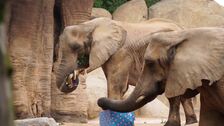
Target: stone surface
<point>96,87</point>
<point>131,11</point>
<point>70,107</point>
<point>100,12</point>
<point>189,13</point>
<point>36,122</point>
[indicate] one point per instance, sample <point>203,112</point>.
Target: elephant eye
<point>150,62</point>
<point>75,46</point>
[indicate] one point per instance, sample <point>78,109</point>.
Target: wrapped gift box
<point>111,118</point>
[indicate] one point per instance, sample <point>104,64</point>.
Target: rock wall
<point>100,12</point>
<point>70,107</point>
<point>189,13</point>
<point>132,11</point>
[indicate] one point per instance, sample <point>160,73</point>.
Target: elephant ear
<point>199,58</point>
<point>107,39</point>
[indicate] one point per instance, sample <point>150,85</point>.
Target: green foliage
<point>83,61</point>
<point>111,5</point>
<point>2,3</point>
<point>151,2</point>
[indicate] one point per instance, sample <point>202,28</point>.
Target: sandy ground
<point>138,122</point>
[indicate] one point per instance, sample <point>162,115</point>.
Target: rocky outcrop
<point>70,107</point>
<point>36,122</point>
<point>189,13</point>
<point>132,11</point>
<point>100,12</point>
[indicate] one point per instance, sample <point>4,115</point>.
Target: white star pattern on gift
<point>111,118</point>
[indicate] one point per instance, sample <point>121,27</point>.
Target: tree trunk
<point>76,11</point>
<point>73,106</point>
<point>6,114</point>
<point>31,53</point>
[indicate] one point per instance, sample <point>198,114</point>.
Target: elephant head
<point>175,62</point>
<point>97,39</point>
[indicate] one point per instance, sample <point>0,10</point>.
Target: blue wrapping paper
<point>111,118</point>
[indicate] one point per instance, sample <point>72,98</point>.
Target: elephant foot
<point>172,123</point>
<point>191,119</point>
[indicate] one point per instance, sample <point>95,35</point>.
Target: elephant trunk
<point>61,75</point>
<point>132,103</point>
<point>137,99</point>
<point>64,66</point>
<point>145,91</point>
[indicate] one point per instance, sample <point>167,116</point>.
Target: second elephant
<point>182,63</point>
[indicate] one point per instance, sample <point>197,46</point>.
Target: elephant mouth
<point>70,83</point>
<point>71,80</point>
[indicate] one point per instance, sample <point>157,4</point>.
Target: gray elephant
<point>181,63</point>
<point>119,48</point>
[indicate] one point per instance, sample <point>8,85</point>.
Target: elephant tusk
<point>140,98</point>
<point>84,72</point>
<point>75,74</point>
<point>71,76</point>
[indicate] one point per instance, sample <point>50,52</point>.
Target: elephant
<point>117,47</point>
<point>181,63</point>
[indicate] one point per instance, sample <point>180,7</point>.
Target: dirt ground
<point>138,122</point>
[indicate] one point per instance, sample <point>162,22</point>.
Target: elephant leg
<point>174,114</point>
<point>189,110</point>
<point>117,72</point>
